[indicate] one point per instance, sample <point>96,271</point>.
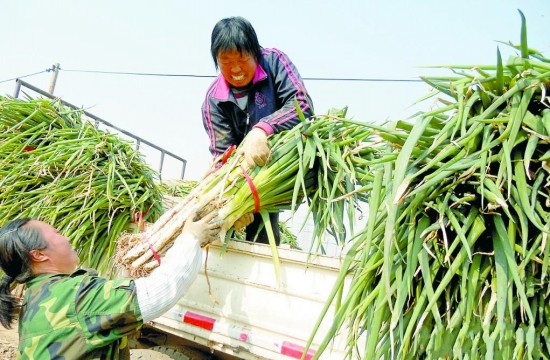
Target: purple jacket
<point>271,104</point>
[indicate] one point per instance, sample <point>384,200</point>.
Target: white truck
<point>236,309</point>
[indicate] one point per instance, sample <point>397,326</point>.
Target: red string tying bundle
<point>138,220</point>
<point>253,190</point>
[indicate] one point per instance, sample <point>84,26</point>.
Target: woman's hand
<point>255,148</point>
<point>243,221</point>
<point>206,229</point>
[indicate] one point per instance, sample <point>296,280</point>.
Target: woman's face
<point>237,68</point>
<point>59,251</point>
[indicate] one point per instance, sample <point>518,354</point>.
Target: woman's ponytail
<point>16,241</point>
<point>7,302</point>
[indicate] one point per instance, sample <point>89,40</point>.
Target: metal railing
<point>138,140</point>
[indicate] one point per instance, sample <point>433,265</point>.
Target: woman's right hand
<point>243,221</point>
<point>206,229</point>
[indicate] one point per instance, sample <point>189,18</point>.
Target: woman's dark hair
<point>234,33</point>
<point>16,241</point>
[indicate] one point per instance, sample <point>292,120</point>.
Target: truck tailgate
<point>246,313</point>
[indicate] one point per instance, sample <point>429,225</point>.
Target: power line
<point>363,79</point>
<point>206,76</point>
<point>213,76</point>
<point>24,76</point>
<point>136,73</point>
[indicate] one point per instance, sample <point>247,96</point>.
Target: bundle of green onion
<point>59,168</point>
<point>454,260</point>
<point>177,189</point>
<point>319,161</point>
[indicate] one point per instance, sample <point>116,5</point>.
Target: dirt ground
<point>8,342</point>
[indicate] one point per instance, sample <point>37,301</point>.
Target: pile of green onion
<point>454,259</point>
<point>59,168</point>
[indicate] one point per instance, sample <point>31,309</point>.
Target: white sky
<point>385,39</point>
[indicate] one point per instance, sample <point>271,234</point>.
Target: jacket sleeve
<point>161,290</point>
<point>217,127</point>
<point>288,86</point>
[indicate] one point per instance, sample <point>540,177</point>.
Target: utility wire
<point>136,73</point>
<point>213,76</point>
<point>206,76</point>
<point>20,77</point>
<point>363,79</point>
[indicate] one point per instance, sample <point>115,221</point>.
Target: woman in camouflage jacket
<point>75,314</point>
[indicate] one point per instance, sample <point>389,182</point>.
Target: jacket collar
<point>38,279</point>
<point>222,87</point>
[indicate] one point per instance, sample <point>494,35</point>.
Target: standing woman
<point>254,97</point>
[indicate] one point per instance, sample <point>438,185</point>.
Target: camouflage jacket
<point>77,316</point>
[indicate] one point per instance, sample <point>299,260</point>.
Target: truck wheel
<point>181,354</point>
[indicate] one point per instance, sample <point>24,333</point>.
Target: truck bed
<point>246,314</point>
